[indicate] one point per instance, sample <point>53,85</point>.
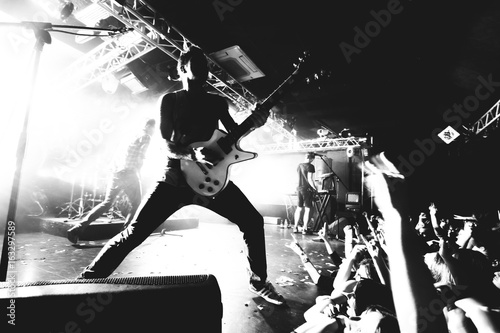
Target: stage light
<point>322,132</point>
<point>345,133</point>
<point>66,9</point>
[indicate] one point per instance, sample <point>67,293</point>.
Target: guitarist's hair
<point>193,52</point>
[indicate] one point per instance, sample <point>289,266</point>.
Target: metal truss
<point>487,119</point>
<point>153,31</point>
<point>313,145</point>
<point>108,57</point>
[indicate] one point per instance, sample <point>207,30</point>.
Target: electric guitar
<point>209,180</point>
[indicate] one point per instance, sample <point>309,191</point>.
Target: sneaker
<point>74,233</point>
<point>268,293</point>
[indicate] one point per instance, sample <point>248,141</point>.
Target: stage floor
<point>213,246</point>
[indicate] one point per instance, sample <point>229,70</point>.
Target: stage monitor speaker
<point>190,303</point>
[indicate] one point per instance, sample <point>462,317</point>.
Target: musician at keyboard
<point>306,190</point>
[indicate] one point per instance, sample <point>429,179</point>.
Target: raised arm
<point>440,233</point>
<point>346,268</point>
<point>378,261</point>
<point>334,256</point>
<point>411,282</point>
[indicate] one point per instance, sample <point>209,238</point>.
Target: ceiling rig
<point>150,30</point>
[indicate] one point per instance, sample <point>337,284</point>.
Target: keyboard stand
<point>325,198</point>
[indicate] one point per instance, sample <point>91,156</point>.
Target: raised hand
<point>322,232</point>
<point>432,209</point>
<point>375,169</point>
<point>357,252</point>
<point>385,166</point>
<point>371,246</point>
<point>295,247</point>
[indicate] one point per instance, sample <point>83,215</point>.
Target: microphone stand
<point>41,31</point>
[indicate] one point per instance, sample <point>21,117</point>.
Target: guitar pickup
<point>225,145</point>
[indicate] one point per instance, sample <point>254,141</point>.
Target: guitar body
<point>209,180</point>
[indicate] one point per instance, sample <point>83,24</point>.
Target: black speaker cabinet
<point>190,303</point>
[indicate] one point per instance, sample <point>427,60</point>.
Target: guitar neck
<point>247,125</point>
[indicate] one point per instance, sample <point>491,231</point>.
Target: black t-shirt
<point>187,119</point>
<point>303,169</point>
<point>192,119</point>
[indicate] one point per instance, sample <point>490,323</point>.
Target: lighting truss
<point>487,119</point>
<point>155,32</point>
<point>313,145</point>
<point>108,57</point>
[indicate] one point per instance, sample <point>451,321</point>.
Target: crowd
<point>435,272</point>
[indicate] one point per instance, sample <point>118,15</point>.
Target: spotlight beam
<point>41,31</point>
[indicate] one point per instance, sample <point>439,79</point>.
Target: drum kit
<point>88,193</point>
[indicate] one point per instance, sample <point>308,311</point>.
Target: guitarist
<point>187,116</point>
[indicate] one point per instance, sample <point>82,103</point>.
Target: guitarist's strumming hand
<point>205,155</point>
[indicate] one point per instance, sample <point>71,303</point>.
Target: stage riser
<point>191,305</point>
<point>103,229</point>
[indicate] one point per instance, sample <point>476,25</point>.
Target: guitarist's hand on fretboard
<point>206,156</point>
<point>258,117</point>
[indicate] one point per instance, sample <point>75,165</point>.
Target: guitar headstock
<point>299,64</point>
<point>307,69</point>
<point>303,58</point>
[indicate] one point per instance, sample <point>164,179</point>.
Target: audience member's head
<point>369,293</point>
<point>439,269</point>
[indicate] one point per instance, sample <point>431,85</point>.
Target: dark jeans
<point>165,200</point>
<point>125,180</point>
